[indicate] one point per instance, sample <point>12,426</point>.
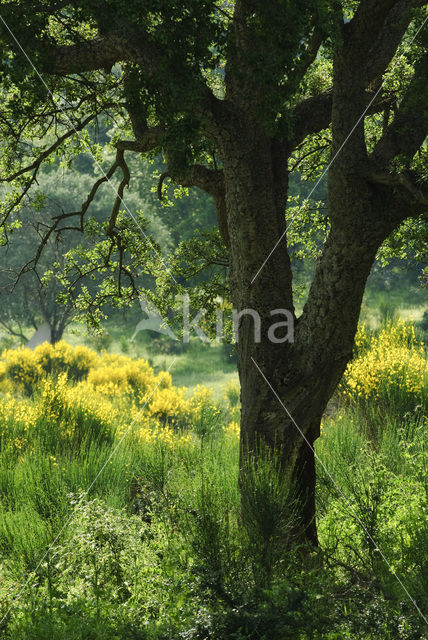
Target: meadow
<point>121,516</point>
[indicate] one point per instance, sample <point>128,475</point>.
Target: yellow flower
<point>22,368</point>
<point>170,405</point>
<point>391,361</point>
<point>232,429</point>
<point>202,405</point>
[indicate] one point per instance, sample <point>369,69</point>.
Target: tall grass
<point>165,545</point>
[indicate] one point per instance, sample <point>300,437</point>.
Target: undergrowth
<point>111,531</point>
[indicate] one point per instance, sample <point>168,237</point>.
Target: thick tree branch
<point>384,46</point>
<point>386,22</point>
<point>404,179</point>
<point>311,52</point>
<point>314,114</point>
<point>147,140</point>
<point>368,21</point>
<point>119,42</point>
<point>212,181</point>
<point>409,128</point>
<point>129,44</point>
<point>209,180</point>
<point>100,53</point>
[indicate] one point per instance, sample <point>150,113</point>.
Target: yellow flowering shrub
<point>170,406</point>
<point>18,410</point>
<point>109,377</point>
<point>201,403</point>
<point>122,375</point>
<point>22,367</point>
<point>111,373</point>
<point>232,430</point>
<point>75,392</point>
<point>26,367</point>
<point>392,366</point>
<point>205,415</point>
<point>71,408</point>
<point>54,400</point>
<point>17,416</point>
<point>164,436</point>
<point>61,357</point>
<point>107,409</point>
<point>5,382</point>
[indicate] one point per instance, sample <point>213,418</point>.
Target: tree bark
<point>57,333</point>
<point>284,410</point>
<point>255,194</point>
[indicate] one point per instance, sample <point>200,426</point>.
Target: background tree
<point>229,94</point>
<point>26,302</point>
<point>28,296</point>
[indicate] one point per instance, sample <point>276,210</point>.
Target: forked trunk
<point>288,376</point>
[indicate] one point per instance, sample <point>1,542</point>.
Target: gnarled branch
<point>102,52</point>
<point>404,179</point>
<point>385,45</point>
<point>311,52</point>
<point>147,140</point>
<point>212,182</point>
<point>209,180</point>
<point>368,22</point>
<point>47,152</point>
<point>126,177</point>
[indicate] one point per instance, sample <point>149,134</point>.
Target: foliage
<point>157,548</point>
<point>261,56</point>
<point>49,131</point>
<point>25,367</point>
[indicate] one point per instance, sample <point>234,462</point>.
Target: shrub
<point>62,358</point>
<point>205,417</point>
<point>268,505</point>
<point>170,406</point>
<point>120,374</point>
<point>390,369</point>
<point>23,368</point>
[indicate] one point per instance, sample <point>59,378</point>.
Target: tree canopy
<point>159,74</point>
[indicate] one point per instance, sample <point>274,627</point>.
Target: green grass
<point>157,549</point>
<point>395,293</point>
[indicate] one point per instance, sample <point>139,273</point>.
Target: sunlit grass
<point>157,548</point>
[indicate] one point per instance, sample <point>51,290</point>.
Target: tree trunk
<point>57,333</point>
<point>256,192</point>
<point>284,410</point>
